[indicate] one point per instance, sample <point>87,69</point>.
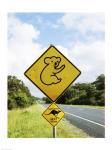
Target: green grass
<point>29,123</point>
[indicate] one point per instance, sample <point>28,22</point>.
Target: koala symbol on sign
<point>49,73</point>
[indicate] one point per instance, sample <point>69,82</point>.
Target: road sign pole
<point>54,132</point>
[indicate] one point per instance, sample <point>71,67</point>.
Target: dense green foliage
<point>84,93</point>
<point>18,94</point>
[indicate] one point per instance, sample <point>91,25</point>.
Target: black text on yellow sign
<point>53,114</point>
<point>52,73</point>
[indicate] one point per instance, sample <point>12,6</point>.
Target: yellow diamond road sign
<point>52,73</point>
<point>53,114</point>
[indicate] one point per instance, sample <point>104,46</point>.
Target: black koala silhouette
<point>48,74</point>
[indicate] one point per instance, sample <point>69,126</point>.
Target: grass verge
<point>29,123</point>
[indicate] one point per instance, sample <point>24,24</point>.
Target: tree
<point>84,93</point>
<point>100,90</point>
<point>46,100</point>
<point>80,93</point>
<point>100,82</point>
<point>18,94</point>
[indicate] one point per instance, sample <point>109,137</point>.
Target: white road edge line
<point>85,119</point>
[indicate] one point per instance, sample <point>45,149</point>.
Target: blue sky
<point>43,21</point>
<point>79,36</point>
<point>56,35</point>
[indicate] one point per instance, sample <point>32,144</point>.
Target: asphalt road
<point>90,120</point>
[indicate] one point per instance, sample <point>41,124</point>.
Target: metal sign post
<point>54,132</point>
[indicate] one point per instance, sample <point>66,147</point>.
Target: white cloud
<point>83,22</point>
<point>87,56</point>
<point>22,50</point>
<point>90,59</point>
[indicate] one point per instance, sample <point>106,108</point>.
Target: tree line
<point>19,95</point>
<point>93,93</point>
<point>84,93</point>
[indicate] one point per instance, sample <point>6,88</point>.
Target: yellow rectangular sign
<point>52,73</point>
<point>53,114</point>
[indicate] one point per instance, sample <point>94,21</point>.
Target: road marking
<point>85,119</point>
